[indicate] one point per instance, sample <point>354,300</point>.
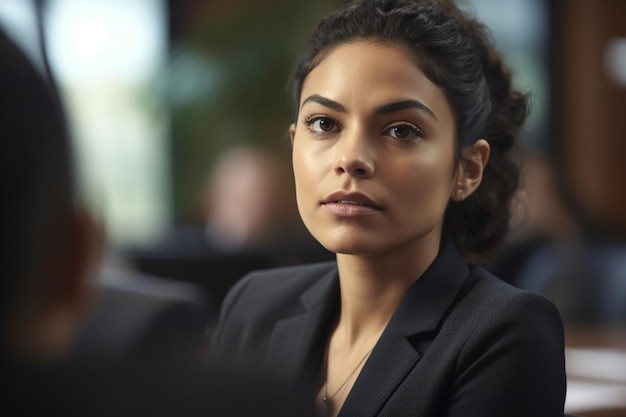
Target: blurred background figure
<point>243,224</point>
<point>244,200</point>
<point>50,257</point>
<point>541,216</point>
<point>542,207</point>
<point>552,250</point>
<point>241,207</point>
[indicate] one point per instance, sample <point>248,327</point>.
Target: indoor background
<point>157,92</point>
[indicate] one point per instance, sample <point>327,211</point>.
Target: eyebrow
<point>384,109</point>
<point>402,105</point>
<point>316,98</point>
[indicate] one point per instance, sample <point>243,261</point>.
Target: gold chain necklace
<point>326,398</point>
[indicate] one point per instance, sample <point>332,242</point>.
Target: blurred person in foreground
<point>49,247</point>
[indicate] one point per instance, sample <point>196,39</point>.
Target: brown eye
<point>321,124</point>
<point>326,124</point>
<point>400,132</point>
<point>404,132</point>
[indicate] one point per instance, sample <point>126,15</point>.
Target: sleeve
<point>513,364</point>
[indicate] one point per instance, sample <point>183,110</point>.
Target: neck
<point>372,287</point>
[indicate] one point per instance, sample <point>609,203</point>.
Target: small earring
<point>458,195</point>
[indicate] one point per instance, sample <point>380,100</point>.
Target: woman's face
<point>373,151</point>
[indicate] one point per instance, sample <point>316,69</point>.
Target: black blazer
<point>461,342</point>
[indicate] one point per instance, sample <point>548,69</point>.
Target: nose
<point>355,156</point>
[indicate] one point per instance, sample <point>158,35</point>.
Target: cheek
<point>298,163</point>
<point>424,181</point>
<point>303,170</point>
<point>308,162</point>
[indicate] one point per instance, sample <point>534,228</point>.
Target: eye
<point>404,132</point>
<point>320,124</point>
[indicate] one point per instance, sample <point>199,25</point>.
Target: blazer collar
<point>426,302</point>
<point>400,346</point>
<point>295,339</point>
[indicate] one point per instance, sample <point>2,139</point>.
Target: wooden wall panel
<point>591,125</point>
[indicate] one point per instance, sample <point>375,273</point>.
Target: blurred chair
<point>214,273</point>
<point>138,313</point>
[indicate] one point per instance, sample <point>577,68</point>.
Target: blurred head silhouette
<point>48,249</point>
<point>47,243</point>
<point>243,198</point>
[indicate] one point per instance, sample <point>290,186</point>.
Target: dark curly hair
<point>456,53</point>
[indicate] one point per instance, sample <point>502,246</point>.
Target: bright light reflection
<point>106,38</point>
<point>106,54</point>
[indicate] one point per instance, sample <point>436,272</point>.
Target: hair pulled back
<point>456,53</point>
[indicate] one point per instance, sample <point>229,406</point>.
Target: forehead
<point>377,71</point>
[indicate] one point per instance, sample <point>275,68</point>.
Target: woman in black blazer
<point>405,118</point>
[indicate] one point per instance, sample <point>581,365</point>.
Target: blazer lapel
<point>293,339</point>
<point>409,332</point>
<point>390,361</point>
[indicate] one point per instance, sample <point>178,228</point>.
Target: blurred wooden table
<point>595,358</point>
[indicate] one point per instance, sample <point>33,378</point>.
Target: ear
<point>292,133</point>
<point>469,172</point>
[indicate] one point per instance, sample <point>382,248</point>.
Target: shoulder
<point>287,276</point>
<point>496,310</point>
<point>267,286</point>
<point>491,294</point>
<point>498,336</point>
<point>262,298</point>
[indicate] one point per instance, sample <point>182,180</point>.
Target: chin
<point>348,246</point>
<point>342,238</point>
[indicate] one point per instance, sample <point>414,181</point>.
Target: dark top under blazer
<point>461,342</point>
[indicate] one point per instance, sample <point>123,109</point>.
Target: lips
<point>350,202</point>
<point>351,198</point>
